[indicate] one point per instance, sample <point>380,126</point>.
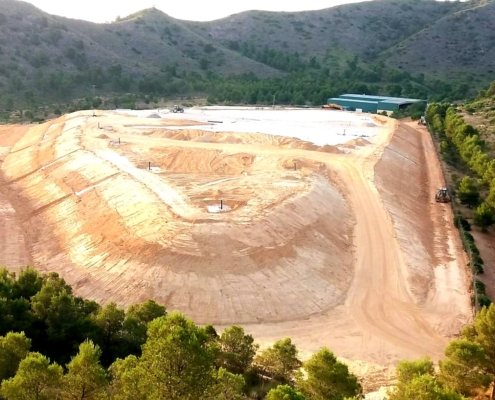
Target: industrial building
<point>372,104</point>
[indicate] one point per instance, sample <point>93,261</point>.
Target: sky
<point>196,10</point>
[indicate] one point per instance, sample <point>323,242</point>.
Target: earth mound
<point>325,247</point>
<point>117,231</point>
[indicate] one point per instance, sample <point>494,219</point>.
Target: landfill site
<point>318,225</point>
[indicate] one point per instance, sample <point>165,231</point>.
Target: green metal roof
<point>388,99</point>
<point>336,99</point>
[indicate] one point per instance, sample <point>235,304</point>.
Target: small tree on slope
<point>484,216</point>
<point>483,332</point>
<point>468,192</point>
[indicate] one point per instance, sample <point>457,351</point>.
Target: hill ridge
<point>365,47</point>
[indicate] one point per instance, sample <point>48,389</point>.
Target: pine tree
<point>36,379</point>
<point>86,378</point>
<point>484,216</point>
<point>468,192</point>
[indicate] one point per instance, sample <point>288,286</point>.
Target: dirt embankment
<point>116,231</point>
<point>401,176</point>
<point>200,136</point>
<point>341,250</point>
<point>406,177</point>
<point>13,249</point>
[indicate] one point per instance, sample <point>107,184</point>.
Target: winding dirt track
<point>382,321</point>
<point>379,298</point>
<point>118,232</point>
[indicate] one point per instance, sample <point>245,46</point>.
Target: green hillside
<point>426,48</point>
<point>363,29</point>
<point>459,46</point>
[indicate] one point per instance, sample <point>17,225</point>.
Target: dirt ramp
<point>401,177</point>
<point>406,177</point>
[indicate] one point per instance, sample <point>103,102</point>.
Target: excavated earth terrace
<point>332,245</point>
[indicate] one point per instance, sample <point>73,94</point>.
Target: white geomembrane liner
<point>320,127</point>
<point>216,208</point>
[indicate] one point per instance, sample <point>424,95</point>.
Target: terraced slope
<point>331,254</point>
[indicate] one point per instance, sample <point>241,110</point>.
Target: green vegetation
<point>279,362</point>
<point>144,354</point>
<point>418,380</point>
<point>327,378</point>
<point>467,367</point>
<point>35,379</point>
<point>237,350</point>
<point>414,111</point>
<point>49,65</point>
<point>284,392</point>
<point>468,193</point>
<point>463,149</point>
<point>464,369</point>
<point>484,216</point>
<point>57,345</point>
<point>299,88</point>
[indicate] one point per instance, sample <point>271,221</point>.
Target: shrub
<point>480,287</point>
<point>474,249</point>
<point>484,301</point>
<point>478,268</point>
<point>469,237</point>
<point>461,222</point>
<point>478,259</point>
<point>39,59</point>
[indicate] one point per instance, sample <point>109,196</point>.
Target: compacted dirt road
<point>391,311</point>
<point>338,247</point>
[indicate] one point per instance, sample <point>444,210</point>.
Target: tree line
<point>304,83</point>
<point>462,147</point>
<point>55,345</point>
<point>461,143</point>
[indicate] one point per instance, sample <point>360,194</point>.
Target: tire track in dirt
<point>379,299</point>
<point>274,266</point>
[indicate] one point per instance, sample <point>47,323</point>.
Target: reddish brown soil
<point>347,251</point>
<point>13,249</point>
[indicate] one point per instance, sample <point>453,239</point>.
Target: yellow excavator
<point>332,107</point>
<point>442,196</point>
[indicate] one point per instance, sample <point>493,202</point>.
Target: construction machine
<point>177,109</point>
<point>333,107</point>
<point>442,196</point>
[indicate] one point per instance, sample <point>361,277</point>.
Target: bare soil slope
<point>407,176</point>
<point>346,251</point>
<point>117,231</point>
<point>13,249</point>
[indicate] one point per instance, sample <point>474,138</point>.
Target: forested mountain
<point>402,47</point>
<point>458,46</point>
<point>364,29</point>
